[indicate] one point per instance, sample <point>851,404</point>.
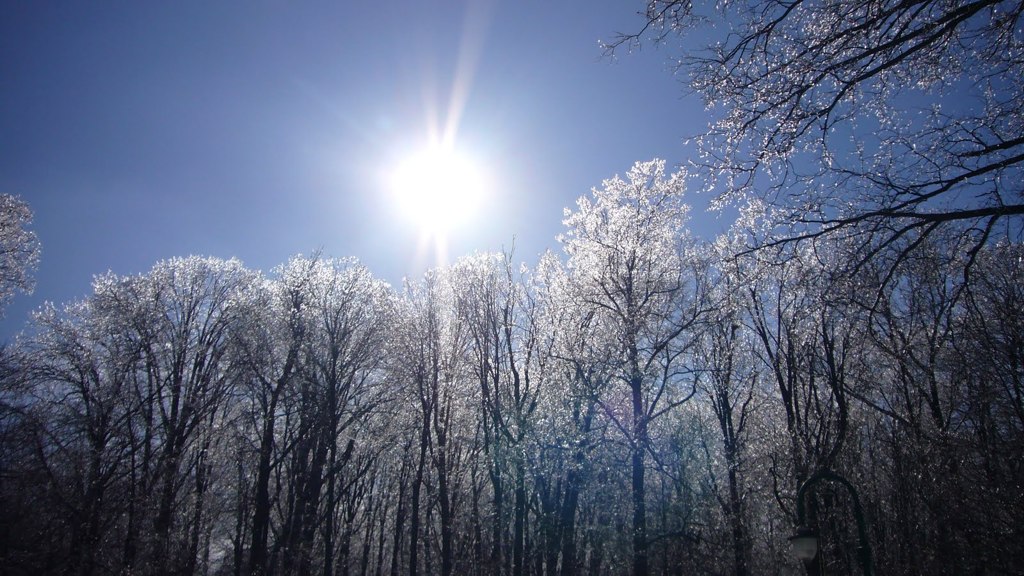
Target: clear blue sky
<point>139,131</point>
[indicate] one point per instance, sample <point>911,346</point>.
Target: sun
<point>439,189</point>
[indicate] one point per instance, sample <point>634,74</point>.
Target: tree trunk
<point>261,499</point>
<point>639,495</point>
<point>400,512</point>
<point>739,537</point>
<point>444,500</point>
<point>519,524</point>
<point>414,529</point>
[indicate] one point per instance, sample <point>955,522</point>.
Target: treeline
<point>643,403</point>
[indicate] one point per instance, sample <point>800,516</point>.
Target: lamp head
<point>805,543</point>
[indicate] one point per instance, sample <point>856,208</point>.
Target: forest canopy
<point>643,402</point>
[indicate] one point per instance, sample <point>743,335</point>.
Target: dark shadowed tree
<point>83,372</point>
<point>130,388</point>
<point>945,391</point>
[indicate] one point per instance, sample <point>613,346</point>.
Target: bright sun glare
<point>438,188</point>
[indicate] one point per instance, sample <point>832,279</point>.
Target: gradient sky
<point>139,131</point>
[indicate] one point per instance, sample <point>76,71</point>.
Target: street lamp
<point>805,541</point>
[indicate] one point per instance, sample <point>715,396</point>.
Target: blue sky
<point>139,131</point>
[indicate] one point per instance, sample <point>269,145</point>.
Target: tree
<point>270,351</point>
<point>19,248</point>
<point>945,389</point>
<point>482,307</point>
<point>632,264</point>
<point>501,319</point>
<point>182,316</point>
<point>433,369</point>
<point>129,391</point>
<point>342,316</point>
<point>879,121</point>
<point>728,382</point>
<point>84,367</point>
<point>569,427</point>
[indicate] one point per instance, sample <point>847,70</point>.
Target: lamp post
<point>805,541</point>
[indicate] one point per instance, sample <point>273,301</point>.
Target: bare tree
<point>270,350</point>
<point>569,427</point>
<point>879,122</point>
<point>945,387</point>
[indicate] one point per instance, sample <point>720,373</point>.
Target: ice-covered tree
<point>19,248</point>
<point>632,263</point>
<point>877,121</point>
